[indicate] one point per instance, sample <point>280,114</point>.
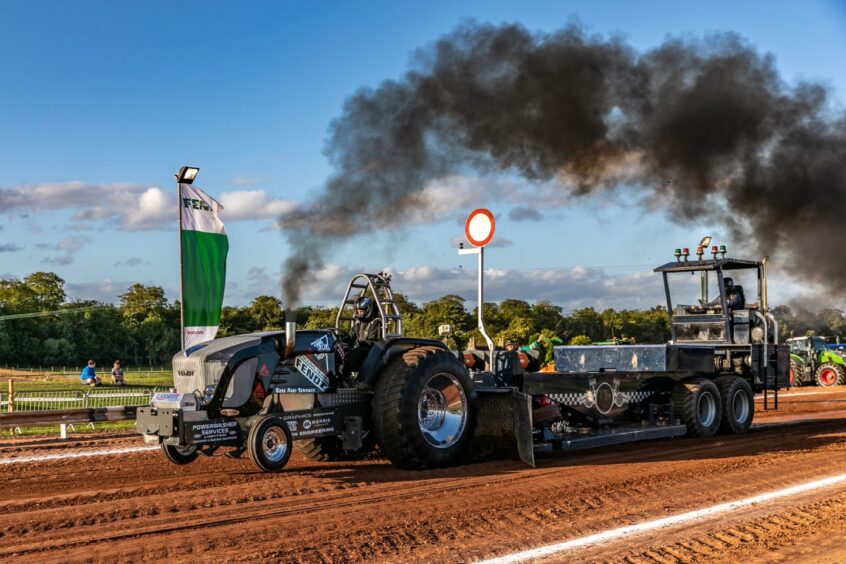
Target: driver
<point>734,294</point>
<point>366,328</point>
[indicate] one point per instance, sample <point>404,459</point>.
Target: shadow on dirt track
<point>759,442</point>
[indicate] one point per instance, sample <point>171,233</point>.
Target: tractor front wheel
<point>698,404</point>
<point>829,374</point>
<point>269,443</point>
<point>424,409</point>
<point>179,454</point>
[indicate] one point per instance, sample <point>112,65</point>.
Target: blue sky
<point>103,101</point>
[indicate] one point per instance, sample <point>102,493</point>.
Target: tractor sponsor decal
<point>307,367</point>
<point>310,424</point>
<point>322,344</point>
<point>165,397</point>
<point>210,432</point>
<point>292,390</point>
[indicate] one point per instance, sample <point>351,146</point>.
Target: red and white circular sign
<point>479,227</point>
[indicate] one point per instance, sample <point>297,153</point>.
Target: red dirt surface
<point>137,506</point>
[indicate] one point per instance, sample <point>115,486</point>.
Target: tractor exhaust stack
<point>764,283</point>
<point>290,337</point>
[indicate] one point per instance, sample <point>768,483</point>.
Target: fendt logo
<point>191,203</point>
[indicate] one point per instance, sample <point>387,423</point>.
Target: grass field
<point>37,381</point>
<point>26,381</point>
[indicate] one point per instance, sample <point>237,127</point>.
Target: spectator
<point>89,376</point>
<point>117,374</point>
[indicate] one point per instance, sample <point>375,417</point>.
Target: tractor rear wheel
<point>738,404</point>
<point>179,454</point>
<point>829,374</point>
<point>795,374</point>
<point>269,443</point>
<point>424,409</point>
<point>698,404</point>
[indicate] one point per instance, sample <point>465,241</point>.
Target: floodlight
<point>187,174</point>
<point>706,240</point>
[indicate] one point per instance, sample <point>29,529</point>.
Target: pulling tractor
<point>425,406</point>
<point>811,362</point>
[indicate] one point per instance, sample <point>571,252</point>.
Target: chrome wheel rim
<point>707,408</point>
<point>740,407</point>
<point>442,410</point>
<point>274,444</point>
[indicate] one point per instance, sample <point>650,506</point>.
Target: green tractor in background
<point>812,362</point>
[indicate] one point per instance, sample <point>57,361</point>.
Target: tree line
<point>143,328</point>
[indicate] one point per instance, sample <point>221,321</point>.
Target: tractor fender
<point>829,356</point>
<point>385,350</point>
<point>796,358</point>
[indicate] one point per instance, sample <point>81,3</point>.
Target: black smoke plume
<point>705,128</point>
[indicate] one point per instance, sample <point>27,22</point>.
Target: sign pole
<point>482,304</point>
<point>479,230</point>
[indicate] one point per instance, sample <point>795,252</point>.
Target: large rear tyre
<point>269,443</point>
<point>424,409</point>
<point>331,449</point>
<point>738,404</point>
<point>795,374</point>
<point>829,374</point>
<point>698,404</point>
<point>180,455</point>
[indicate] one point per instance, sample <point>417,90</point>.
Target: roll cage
<point>378,287</point>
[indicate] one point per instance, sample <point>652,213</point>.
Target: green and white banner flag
<point>204,249</point>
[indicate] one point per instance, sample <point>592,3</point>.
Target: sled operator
<point>735,299</point>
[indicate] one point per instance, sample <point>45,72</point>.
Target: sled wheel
<point>829,374</point>
<point>738,404</point>
<point>424,409</point>
<point>697,403</point>
<point>179,454</point>
<point>269,443</point>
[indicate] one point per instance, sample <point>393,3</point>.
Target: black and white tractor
<point>263,393</point>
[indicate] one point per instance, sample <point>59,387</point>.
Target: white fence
<point>51,400</point>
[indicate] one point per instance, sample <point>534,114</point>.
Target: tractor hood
<point>203,365</point>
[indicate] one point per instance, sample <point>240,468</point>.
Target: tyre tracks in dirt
<point>137,507</point>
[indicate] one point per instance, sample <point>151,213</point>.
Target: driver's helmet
<point>729,283</point>
<point>364,308</point>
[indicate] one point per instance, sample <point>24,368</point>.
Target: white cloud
<point>67,246</point>
<point>134,207</point>
<point>105,290</point>
<point>130,262</point>
<point>253,204</point>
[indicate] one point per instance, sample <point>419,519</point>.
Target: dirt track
<point>136,506</point>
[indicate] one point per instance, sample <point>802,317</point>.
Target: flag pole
<point>181,292</point>
<point>186,175</point>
